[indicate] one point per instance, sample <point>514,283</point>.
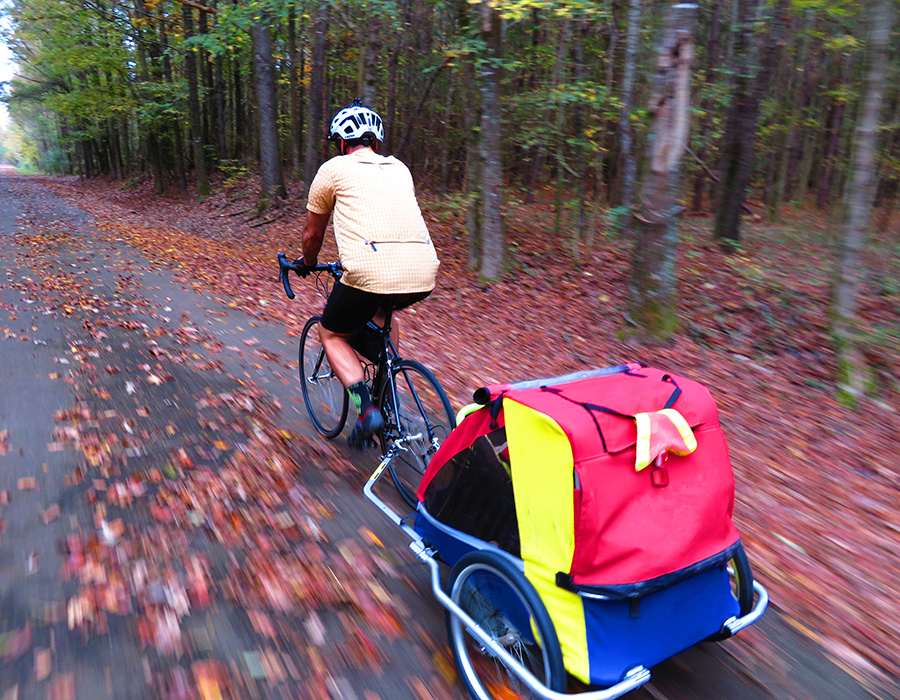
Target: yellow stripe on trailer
<point>543,485</point>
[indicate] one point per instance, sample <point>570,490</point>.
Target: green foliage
<point>233,171</point>
<point>76,66</point>
<point>89,70</point>
<point>160,103</point>
<point>520,9</point>
<point>448,210</point>
<point>615,222</point>
<point>838,9</point>
<point>134,182</point>
<point>54,160</point>
<point>843,44</point>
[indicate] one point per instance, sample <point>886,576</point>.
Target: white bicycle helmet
<point>354,122</point>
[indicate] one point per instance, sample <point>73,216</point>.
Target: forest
<point>494,105</point>
<point>710,188</point>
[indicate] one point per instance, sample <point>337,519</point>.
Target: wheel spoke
<point>414,405</point>
<point>507,608</point>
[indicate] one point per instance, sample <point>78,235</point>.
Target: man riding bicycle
<point>383,243</point>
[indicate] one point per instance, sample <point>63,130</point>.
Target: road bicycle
<point>417,413</point>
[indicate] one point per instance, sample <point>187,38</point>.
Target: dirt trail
<point>171,525</point>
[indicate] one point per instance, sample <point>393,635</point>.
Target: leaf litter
<point>200,508</point>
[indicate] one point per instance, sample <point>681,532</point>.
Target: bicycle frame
<point>391,358</point>
<point>388,369</point>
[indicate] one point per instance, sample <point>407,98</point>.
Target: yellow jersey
<point>381,237</point>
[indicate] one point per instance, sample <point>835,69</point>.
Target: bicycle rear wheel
<point>504,604</point>
<point>420,407</point>
<point>325,397</point>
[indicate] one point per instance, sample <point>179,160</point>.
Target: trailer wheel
<point>506,606</point>
<point>741,587</point>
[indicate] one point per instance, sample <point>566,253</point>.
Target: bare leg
<point>345,363</point>
<point>342,357</point>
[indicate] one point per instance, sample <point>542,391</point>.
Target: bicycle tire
<point>506,606</point>
<point>326,399</point>
<point>416,386</point>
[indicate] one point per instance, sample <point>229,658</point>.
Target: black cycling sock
<point>359,393</point>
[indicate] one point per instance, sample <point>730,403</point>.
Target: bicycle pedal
<point>362,445</point>
<point>359,443</point>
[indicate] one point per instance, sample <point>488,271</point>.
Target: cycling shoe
<point>369,424</point>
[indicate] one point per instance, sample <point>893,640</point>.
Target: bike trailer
<point>615,489</point>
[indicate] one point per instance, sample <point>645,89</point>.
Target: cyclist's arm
<point>313,235</point>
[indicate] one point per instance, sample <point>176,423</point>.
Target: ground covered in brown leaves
<point>816,481</point>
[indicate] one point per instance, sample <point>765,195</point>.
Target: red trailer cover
<point>631,527</point>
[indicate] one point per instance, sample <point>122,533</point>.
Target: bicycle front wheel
<point>418,407</point>
<point>505,605</point>
<point>325,397</point>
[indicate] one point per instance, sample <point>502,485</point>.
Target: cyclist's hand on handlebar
<point>302,268</point>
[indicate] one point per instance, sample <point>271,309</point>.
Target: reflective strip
<point>466,410</point>
<point>543,468</point>
<point>687,435</point>
<point>642,458</point>
<point>645,424</point>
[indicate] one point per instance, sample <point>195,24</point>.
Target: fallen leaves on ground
<point>816,490</point>
<point>198,505</point>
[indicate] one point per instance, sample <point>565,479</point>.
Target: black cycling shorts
<point>348,309</point>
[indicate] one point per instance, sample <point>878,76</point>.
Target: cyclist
<point>383,243</point>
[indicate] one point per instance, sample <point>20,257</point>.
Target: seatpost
<point>388,314</point>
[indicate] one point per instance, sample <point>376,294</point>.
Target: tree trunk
<point>578,119</point>
<point>625,135</point>
<point>493,244</point>
<point>652,302</point>
<point>296,97</point>
<point>392,98</point>
<point>272,181</point>
<point>835,120</point>
<point>562,51</point>
<point>807,154</point>
<point>403,149</point>
<point>115,156</point>
<point>238,150</point>
<point>148,55</point>
<point>446,140</point>
<point>206,82</point>
<point>177,132</point>
<point>887,202</point>
<point>314,123</point>
<point>784,158</point>
<point>219,100</point>
<point>190,69</point>
<point>740,129</point>
<point>860,194</point>
<point>609,77</point>
<point>471,119</point>
<point>736,154</point>
<point>390,114</point>
<point>474,198</point>
<point>712,57</point>
<point>369,73</point>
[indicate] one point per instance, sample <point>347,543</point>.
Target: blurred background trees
<point>492,102</point>
<point>127,88</point>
